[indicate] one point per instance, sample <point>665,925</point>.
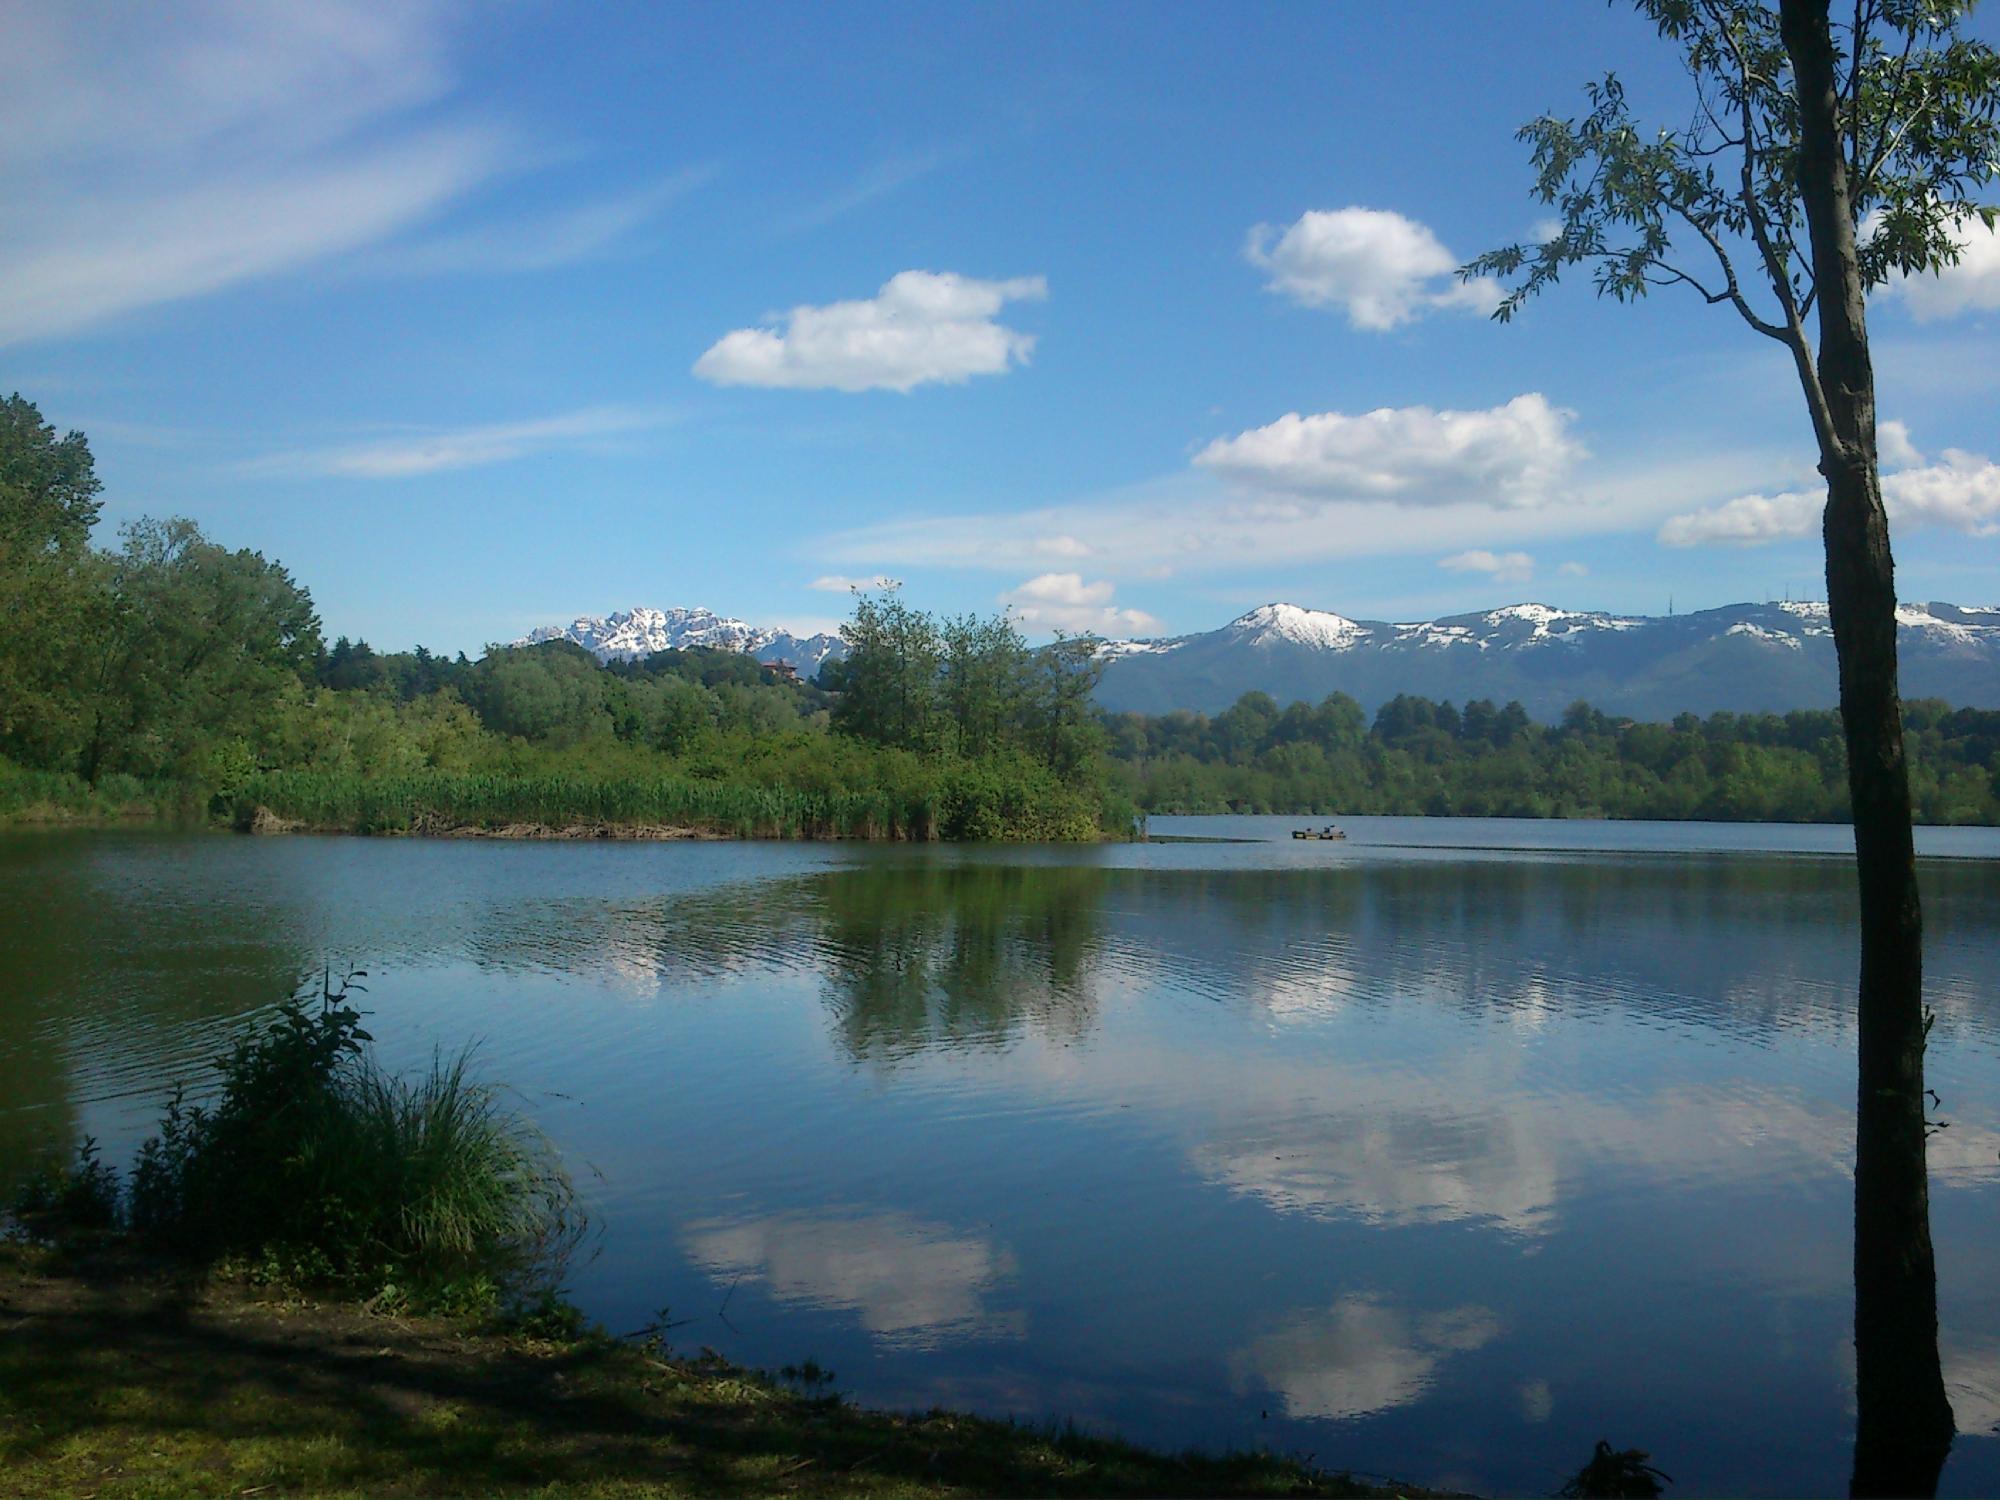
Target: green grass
<point>119,1382</point>
<point>472,1189</point>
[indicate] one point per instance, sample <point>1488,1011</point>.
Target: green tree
<point>1822,157</point>
<point>48,484</point>
<point>985,664</point>
<point>195,645</point>
<point>1066,732</point>
<point>553,693</point>
<point>891,679</point>
<point>50,584</point>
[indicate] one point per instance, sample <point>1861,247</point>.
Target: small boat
<point>1328,832</point>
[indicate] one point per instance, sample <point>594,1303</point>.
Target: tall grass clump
<point>30,796</point>
<point>312,1164</point>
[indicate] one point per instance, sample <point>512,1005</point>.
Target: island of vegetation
<point>172,677</point>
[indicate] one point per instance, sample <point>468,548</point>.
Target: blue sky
<point>1129,317</point>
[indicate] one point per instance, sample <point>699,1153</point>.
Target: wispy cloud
<point>192,148</point>
<point>431,452</point>
<point>1190,523</point>
<point>1972,284</point>
<point>593,230</point>
<point>886,176</point>
<point>840,583</point>
<point>183,151</point>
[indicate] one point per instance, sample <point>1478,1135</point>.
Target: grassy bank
<point>120,1379</point>
<point>39,797</point>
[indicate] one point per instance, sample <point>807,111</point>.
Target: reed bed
<point>422,803</point>
<point>59,796</point>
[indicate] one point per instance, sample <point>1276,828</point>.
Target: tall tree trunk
<point>1904,1421</point>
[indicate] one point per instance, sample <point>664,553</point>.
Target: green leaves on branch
<point>1714,205</point>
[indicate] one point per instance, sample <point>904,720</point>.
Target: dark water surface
<point>1419,1158</point>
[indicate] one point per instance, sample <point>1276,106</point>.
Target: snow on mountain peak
<point>631,634</point>
<point>1960,632</point>
<point>1270,624</point>
<point>1547,623</point>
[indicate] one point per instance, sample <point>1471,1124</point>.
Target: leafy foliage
<point>312,1164</point>
<point>1715,206</point>
<point>57,1200</point>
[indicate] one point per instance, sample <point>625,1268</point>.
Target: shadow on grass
<point>118,1380</point>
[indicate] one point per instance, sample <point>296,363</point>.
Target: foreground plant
<point>312,1164</point>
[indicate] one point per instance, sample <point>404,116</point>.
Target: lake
<point>1442,1152</point>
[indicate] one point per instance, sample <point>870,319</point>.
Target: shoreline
<point>123,1377</point>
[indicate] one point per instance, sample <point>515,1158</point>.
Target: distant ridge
<point>1743,658</point>
<point>631,634</point>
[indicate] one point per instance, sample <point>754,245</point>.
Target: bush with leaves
<point>314,1165</point>
<point>59,1200</point>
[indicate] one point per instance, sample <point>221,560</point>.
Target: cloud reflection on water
<point>1360,1356</point>
<point>914,1283</point>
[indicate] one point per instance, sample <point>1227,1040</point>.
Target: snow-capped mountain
<point>629,634</point>
<point>1745,658</point>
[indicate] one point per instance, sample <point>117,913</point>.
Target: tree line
<point>1483,759</point>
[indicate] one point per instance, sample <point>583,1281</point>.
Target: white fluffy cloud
<point>923,327</point>
<point>1063,601</point>
<point>1747,520</point>
<point>1516,455</point>
<point>1893,448</point>
<point>1379,267</point>
<point>1961,491</point>
<point>1973,285</point>
<point>840,583</point>
<point>1501,567</point>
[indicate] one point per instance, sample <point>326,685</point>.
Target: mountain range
<point>629,634</point>
<point>1744,658</point>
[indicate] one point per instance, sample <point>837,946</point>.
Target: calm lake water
<point>1442,1152</point>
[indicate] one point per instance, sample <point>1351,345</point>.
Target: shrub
<point>57,1200</point>
<point>314,1165</point>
